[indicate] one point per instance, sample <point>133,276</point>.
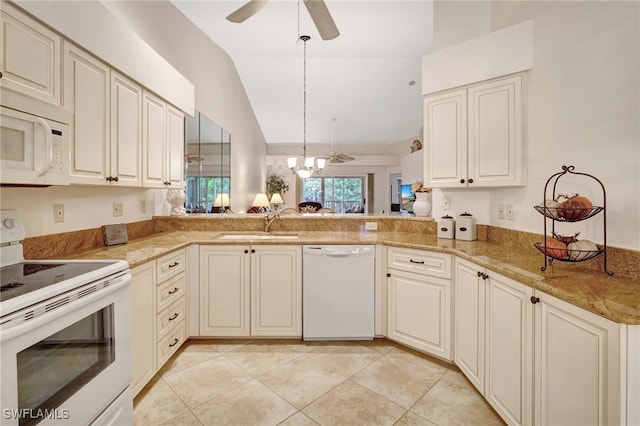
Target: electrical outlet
<point>143,206</point>
<point>371,226</point>
<point>501,211</point>
<point>58,213</point>
<point>509,211</point>
<point>446,202</point>
<point>117,209</point>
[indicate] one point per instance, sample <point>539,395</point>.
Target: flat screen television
<point>407,198</point>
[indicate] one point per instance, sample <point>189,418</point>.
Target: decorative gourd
<point>566,238</point>
<point>552,207</point>
<point>572,208</point>
<point>582,249</point>
<point>555,248</point>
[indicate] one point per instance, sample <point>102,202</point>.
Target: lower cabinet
<point>505,331</point>
<point>251,290</point>
<point>419,303</point>
<point>158,317</point>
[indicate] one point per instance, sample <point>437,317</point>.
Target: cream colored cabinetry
<point>143,325</point>
<point>419,300</point>
<point>158,326</point>
<point>251,291</point>
<point>504,331</point>
<point>577,364</point>
<point>87,95</point>
<point>29,56</point>
<point>474,135</point>
<point>162,143</point>
<point>126,131</point>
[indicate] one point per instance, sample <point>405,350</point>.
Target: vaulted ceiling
<point>368,78</point>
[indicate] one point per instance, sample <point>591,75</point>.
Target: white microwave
<point>34,150</point>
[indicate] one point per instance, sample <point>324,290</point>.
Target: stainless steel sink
<point>255,236</point>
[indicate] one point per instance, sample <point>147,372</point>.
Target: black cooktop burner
<point>23,278</point>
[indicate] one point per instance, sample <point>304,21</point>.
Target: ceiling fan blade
<point>344,157</point>
<point>336,160</point>
<point>247,11</point>
<point>322,19</point>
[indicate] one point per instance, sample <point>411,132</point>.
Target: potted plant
<point>276,184</point>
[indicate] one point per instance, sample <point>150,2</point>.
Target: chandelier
<point>308,165</point>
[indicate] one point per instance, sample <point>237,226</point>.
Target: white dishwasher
<point>338,292</point>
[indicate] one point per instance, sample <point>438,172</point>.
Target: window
<point>341,194</point>
<point>202,191</point>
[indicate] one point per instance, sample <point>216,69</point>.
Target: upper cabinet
<point>126,131</point>
<point>162,143</point>
<point>30,56</point>
<point>474,135</point>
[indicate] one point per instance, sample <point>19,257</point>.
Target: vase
<point>422,205</point>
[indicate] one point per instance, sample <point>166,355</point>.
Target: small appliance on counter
<point>446,227</point>
<point>465,227</point>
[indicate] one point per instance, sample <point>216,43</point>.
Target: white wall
<point>583,110</point>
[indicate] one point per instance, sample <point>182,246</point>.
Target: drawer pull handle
<point>175,342</point>
<point>176,315</point>
<point>174,290</point>
<point>173,265</point>
<point>419,262</point>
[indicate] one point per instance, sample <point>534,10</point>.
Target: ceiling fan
<point>317,9</point>
<point>193,158</point>
<point>333,156</point>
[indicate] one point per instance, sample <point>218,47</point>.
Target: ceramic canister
<point>466,227</point>
<point>446,227</point>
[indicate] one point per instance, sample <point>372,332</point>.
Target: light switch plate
<point>58,213</point>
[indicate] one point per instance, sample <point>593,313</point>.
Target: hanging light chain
<point>304,38</point>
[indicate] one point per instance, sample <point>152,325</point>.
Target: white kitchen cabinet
<point>276,291</point>
<point>126,132</point>
<point>87,95</point>
<point>577,364</point>
<point>158,314</point>
<point>474,135</point>
<point>30,55</point>
<point>469,321</point>
<point>143,325</point>
<point>575,354</point>
<point>163,144</point>
<point>247,290</point>
<point>509,348</point>
<point>419,300</point>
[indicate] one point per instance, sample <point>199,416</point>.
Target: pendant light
<point>306,167</point>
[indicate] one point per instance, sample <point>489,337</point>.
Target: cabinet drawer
<point>170,344</point>
<point>171,265</point>
<point>420,262</point>
<point>170,317</point>
<point>170,291</point>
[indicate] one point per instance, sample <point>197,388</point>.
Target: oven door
<point>68,365</point>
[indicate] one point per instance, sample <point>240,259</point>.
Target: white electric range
<point>65,337</point>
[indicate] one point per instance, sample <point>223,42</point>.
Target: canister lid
<point>466,214</point>
<point>447,217</point>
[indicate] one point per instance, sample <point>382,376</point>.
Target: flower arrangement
<point>419,187</point>
<point>276,184</point>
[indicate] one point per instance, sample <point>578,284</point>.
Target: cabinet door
<point>495,133</point>
<point>509,349</point>
<point>143,325</point>
<point>469,328</point>
<point>175,148</point>
<point>224,291</point>
<point>419,313</point>
<point>87,96</point>
<point>445,133</point>
<point>29,56</point>
<point>154,127</point>
<point>577,363</point>
<point>126,131</point>
<point>276,291</point>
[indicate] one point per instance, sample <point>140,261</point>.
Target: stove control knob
<point>9,223</point>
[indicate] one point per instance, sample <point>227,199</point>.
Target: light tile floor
<point>292,382</point>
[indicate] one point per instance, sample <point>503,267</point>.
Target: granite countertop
<point>615,298</point>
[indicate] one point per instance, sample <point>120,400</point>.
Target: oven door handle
<point>48,147</point>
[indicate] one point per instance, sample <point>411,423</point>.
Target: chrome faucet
<point>269,219</point>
